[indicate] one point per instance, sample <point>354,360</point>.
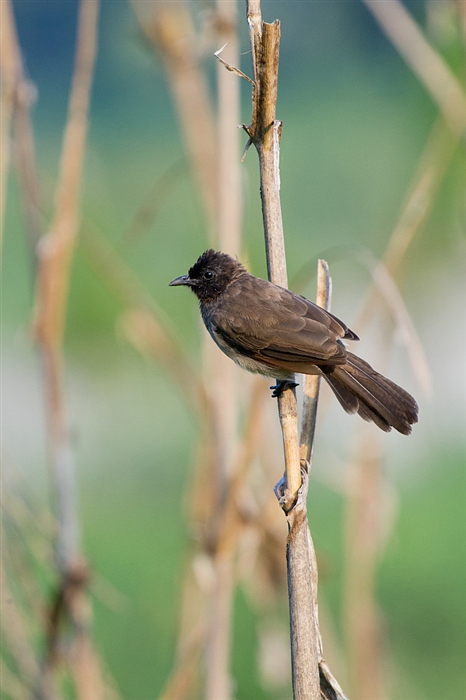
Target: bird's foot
<point>280,387</point>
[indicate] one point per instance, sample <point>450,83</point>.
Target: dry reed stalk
<point>363,621</point>
<point>230,210</point>
<point>15,634</point>
<point>401,319</point>
<point>26,548</point>
<point>424,61</point>
<point>54,262</point>
<point>17,95</point>
<point>433,165</point>
<point>148,210</point>
<point>144,323</point>
<point>171,30</point>
<point>224,376</point>
<point>10,71</point>
<point>311,383</point>
<point>329,686</point>
<point>11,686</point>
<point>264,133</point>
<point>215,156</point>
<point>367,495</point>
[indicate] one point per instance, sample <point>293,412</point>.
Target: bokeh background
<point>356,121</point>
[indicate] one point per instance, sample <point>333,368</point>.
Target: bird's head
<point>210,275</point>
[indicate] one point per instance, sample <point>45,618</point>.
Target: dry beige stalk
<point>433,165</point>
<point>12,687</point>
<point>10,71</point>
<point>172,32</point>
<point>264,133</point>
<point>424,61</point>
<point>54,262</point>
<point>367,496</point>
<point>215,157</point>
<point>17,95</point>
<point>363,621</point>
<point>405,329</point>
<point>56,249</point>
<point>311,383</point>
<point>15,634</point>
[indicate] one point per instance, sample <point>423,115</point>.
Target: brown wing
<point>278,328</point>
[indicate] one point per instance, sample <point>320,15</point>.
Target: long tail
<point>360,389</point>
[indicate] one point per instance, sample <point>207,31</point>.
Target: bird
<point>270,330</point>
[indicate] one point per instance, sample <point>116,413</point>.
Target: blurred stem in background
<point>369,513</point>
<point>212,145</point>
<point>54,251</point>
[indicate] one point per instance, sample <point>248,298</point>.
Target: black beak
<point>183,280</point>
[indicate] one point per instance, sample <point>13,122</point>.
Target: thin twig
<point>55,255</point>
<point>402,320</point>
<point>143,321</point>
<point>311,383</point>
<point>231,68</point>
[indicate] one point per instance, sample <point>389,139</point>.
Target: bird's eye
<point>208,274</point>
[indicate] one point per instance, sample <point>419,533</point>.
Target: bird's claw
<point>280,387</point>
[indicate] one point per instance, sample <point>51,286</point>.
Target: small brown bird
<point>267,329</point>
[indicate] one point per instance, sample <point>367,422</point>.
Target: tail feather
<point>361,389</point>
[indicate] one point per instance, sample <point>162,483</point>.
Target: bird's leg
<point>280,387</point>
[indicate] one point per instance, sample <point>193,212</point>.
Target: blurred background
<point>372,169</point>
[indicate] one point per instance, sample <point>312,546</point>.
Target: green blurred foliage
<point>355,123</point>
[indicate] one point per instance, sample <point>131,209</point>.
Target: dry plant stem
<point>18,94</point>
<point>311,383</point>
<point>363,622</point>
<point>15,635</point>
<point>302,584</point>
<point>56,249</point>
<point>434,162</point>
<point>195,633</point>
<point>10,71</point>
<point>406,331</point>
<point>11,687</point>
<point>329,687</point>
<point>367,527</point>
<point>264,133</point>
<point>224,374</point>
<point>424,61</point>
<point>436,157</point>
<point>144,322</point>
<point>230,210</point>
<point>366,495</point>
<point>172,32</point>
<point>55,256</point>
<point>216,162</point>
